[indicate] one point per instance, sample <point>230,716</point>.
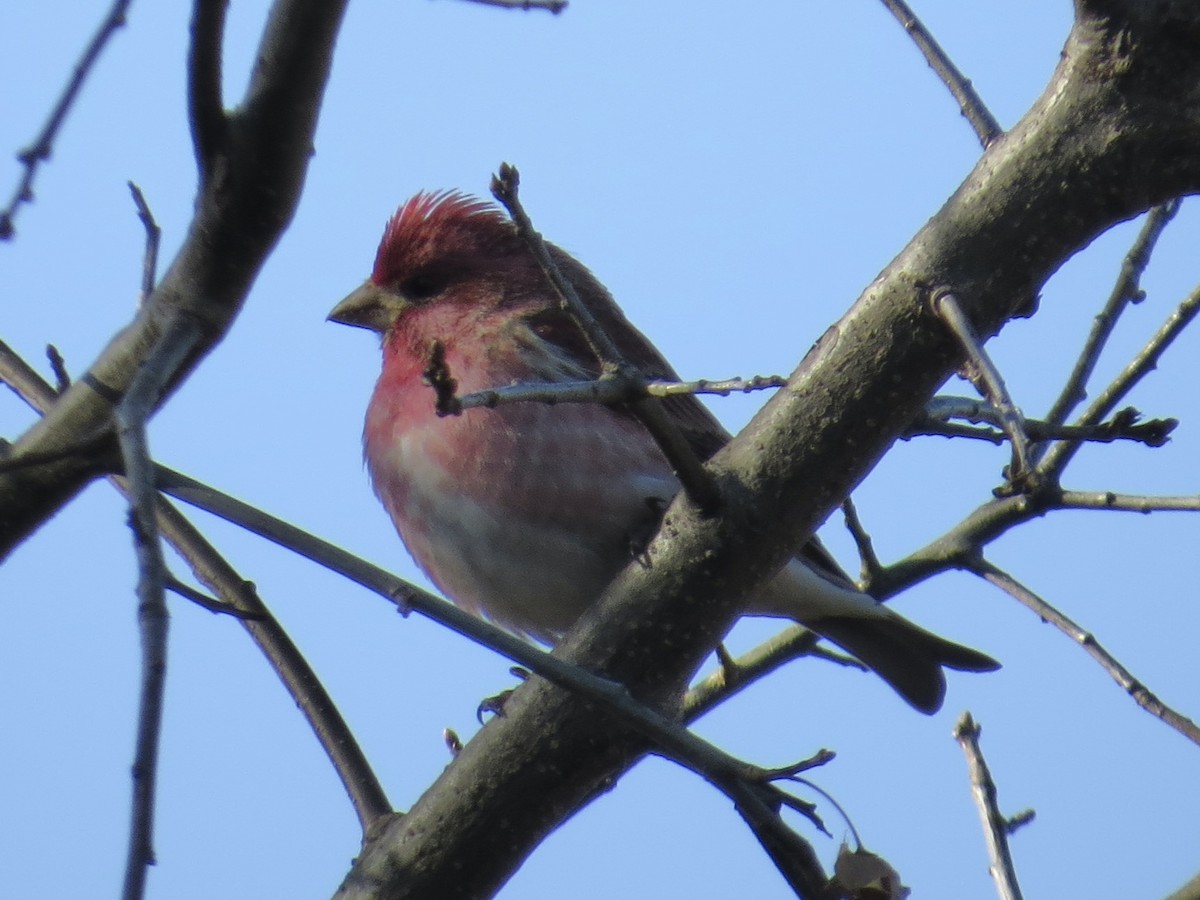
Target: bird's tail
<point>906,656</point>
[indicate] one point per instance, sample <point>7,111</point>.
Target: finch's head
<point>439,247</point>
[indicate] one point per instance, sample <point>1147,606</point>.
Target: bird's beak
<point>368,306</point>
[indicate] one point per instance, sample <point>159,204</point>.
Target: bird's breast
<point>523,512</point>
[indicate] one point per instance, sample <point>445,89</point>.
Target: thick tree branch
<point>1114,133</point>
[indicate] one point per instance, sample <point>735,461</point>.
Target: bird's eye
<point>420,288</point>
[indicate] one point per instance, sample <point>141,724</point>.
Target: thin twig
<point>609,390</point>
<point>1126,290</point>
<point>153,238</point>
<point>62,379</point>
<point>696,480</point>
<point>991,383</point>
<point>1122,676</point>
<point>733,675</point>
<point>871,567</point>
<point>43,145</point>
<point>1124,426</point>
<point>987,129</point>
<point>1057,457</point>
<point>995,825</point>
<point>554,6</point>
<point>721,388</point>
<point>201,599</point>
<point>1138,503</point>
<point>240,599</point>
<point>178,340</point>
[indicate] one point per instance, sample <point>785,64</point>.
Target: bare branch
<point>733,675</point>
<point>553,6</point>
<point>987,129</point>
<point>722,388</point>
<point>201,599</point>
<point>179,339</point>
<point>62,380</point>
<point>1126,290</point>
<point>153,238</point>
<point>871,567</point>
<point>609,390</point>
<point>697,482</point>
<point>239,216</point>
<point>989,382</point>
<point>1124,426</point>
<point>1057,457</point>
<point>995,826</point>
<point>1122,676</point>
<point>242,601</point>
<point>1127,502</point>
<point>39,151</point>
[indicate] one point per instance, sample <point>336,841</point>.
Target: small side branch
<point>871,567</point>
<point>153,238</point>
<point>39,151</point>
<point>1126,425</point>
<point>989,382</point>
<point>733,675</point>
<point>1144,362</point>
<point>987,129</point>
<point>1127,290</point>
<point>606,389</point>
<point>1122,676</point>
<point>1139,503</point>
<point>696,480</point>
<point>552,6</point>
<point>995,826</point>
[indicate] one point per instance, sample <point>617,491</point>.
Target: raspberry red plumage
<point>525,512</point>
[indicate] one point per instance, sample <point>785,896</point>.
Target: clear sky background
<point>736,174</point>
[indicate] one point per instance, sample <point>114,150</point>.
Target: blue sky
<point>736,178</point>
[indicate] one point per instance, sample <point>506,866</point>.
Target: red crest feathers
<point>427,219</point>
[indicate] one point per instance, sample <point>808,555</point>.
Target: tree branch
<point>178,340</point>
<point>1142,695</point>
<point>39,151</point>
<point>241,598</point>
<point>246,199</point>
<point>995,830</point>
<point>1081,160</point>
<point>1126,290</point>
<point>987,129</point>
<point>695,479</point>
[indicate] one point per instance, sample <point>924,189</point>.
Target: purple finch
<point>525,512</point>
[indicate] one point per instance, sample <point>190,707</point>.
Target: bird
<point>523,513</point>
